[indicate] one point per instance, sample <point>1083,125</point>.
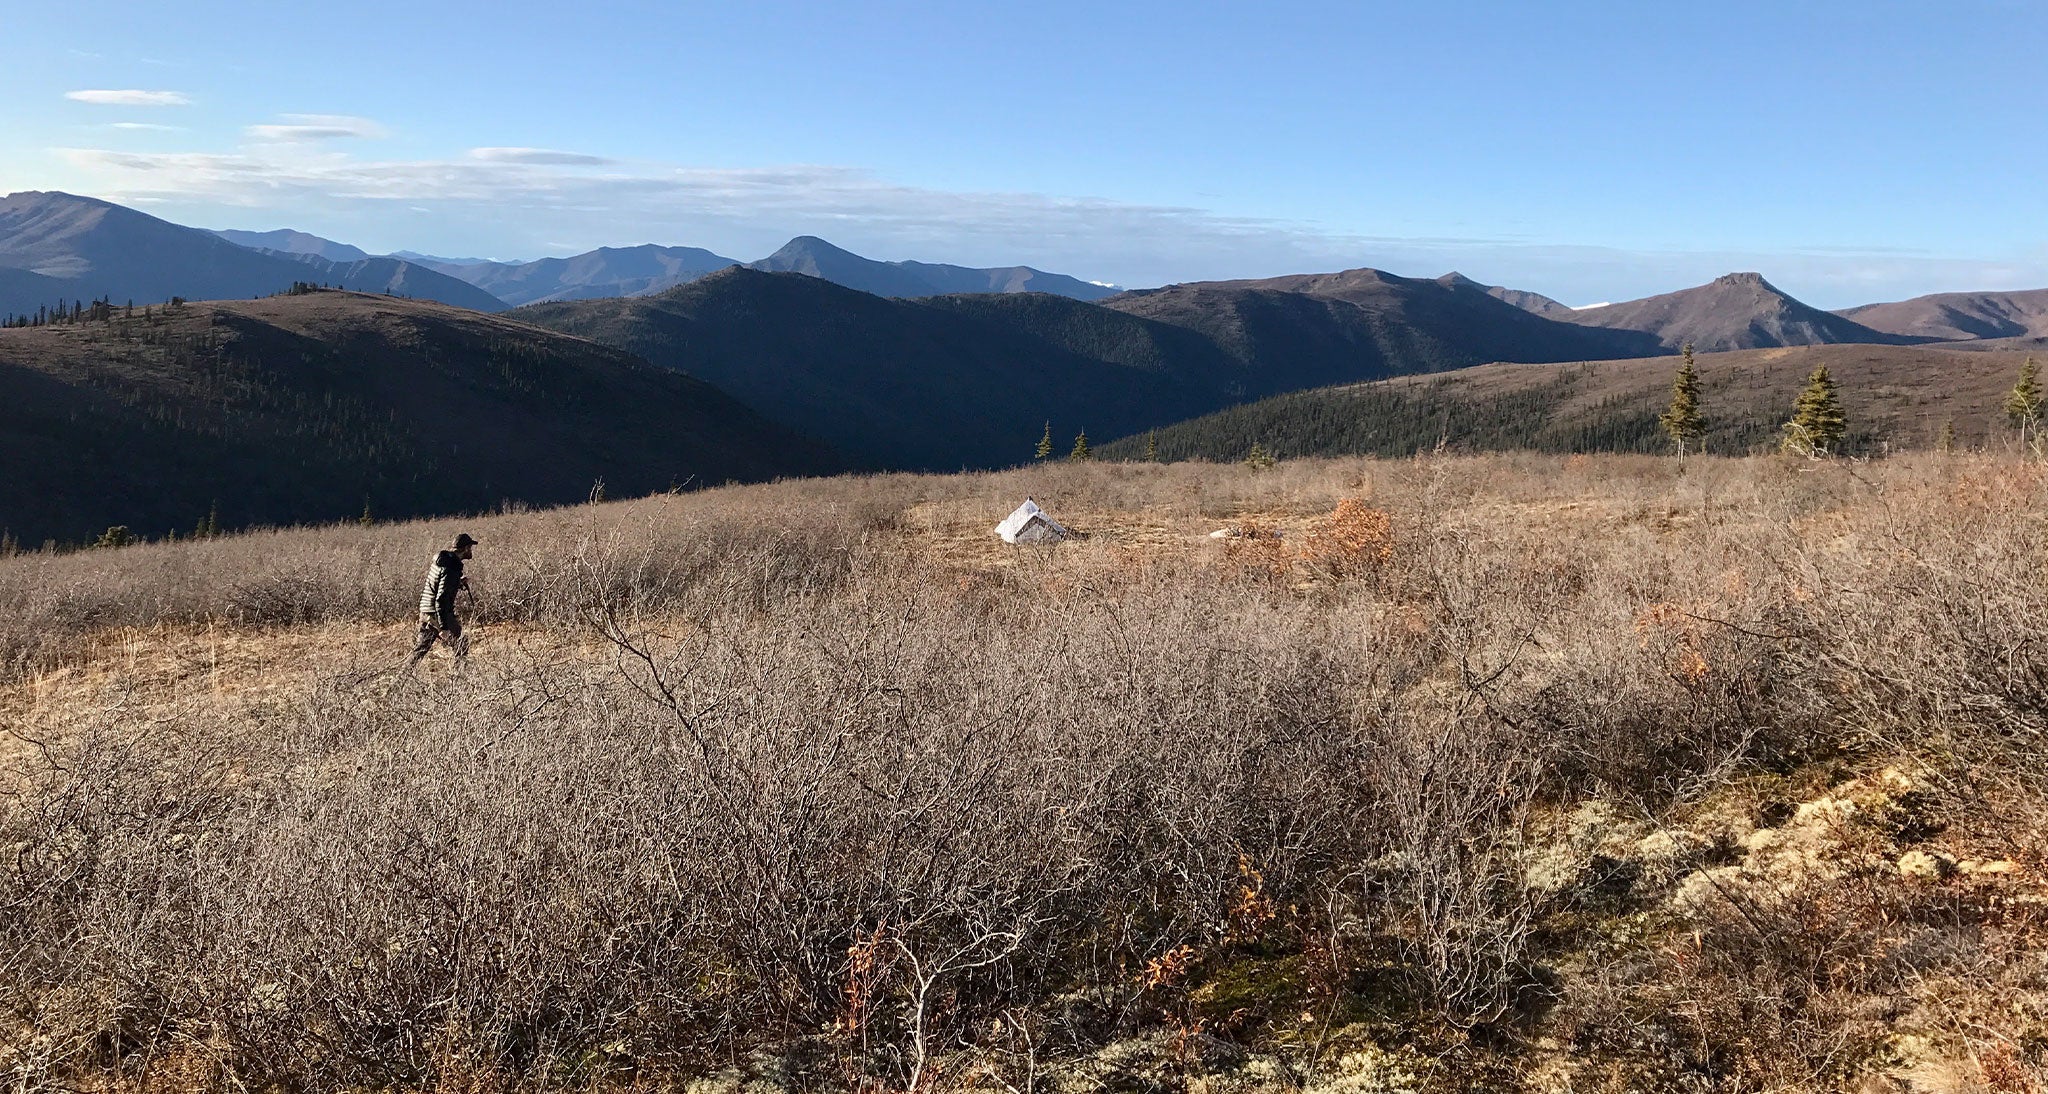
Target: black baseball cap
<point>465,540</point>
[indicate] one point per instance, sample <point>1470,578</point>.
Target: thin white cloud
<point>303,128</point>
<point>542,156</point>
<point>150,126</point>
<point>130,97</point>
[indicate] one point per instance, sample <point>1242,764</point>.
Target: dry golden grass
<point>1462,773</point>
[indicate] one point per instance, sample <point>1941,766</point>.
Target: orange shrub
<point>1354,539</point>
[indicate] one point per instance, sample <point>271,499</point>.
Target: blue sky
<point>1591,151</point>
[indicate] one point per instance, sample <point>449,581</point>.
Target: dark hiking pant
<point>439,626</point>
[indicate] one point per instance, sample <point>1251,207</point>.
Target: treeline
<point>122,535</point>
<point>1398,419</point>
<point>104,309</point>
<point>80,311</point>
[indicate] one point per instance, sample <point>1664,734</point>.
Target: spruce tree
<point>1682,421</point>
<point>1044,444</point>
<point>1258,459</point>
<point>1945,442</point>
<point>1152,447</point>
<point>2023,403</point>
<point>1081,450</point>
<point>1817,426</point>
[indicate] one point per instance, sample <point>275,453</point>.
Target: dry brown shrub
<point>750,765</point>
<point>1354,540</point>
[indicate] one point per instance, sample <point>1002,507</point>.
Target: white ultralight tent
<point>1030,524</point>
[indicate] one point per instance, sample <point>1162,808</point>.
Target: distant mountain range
<point>299,243</point>
<point>305,408</point>
<point>817,357</point>
<point>607,271</point>
<point>1521,298</point>
<point>86,249</point>
<point>648,269</point>
<point>91,249</point>
<point>434,260</point>
<point>1735,311</point>
<point>1959,315</point>
<point>1310,329</point>
<point>813,256</point>
<point>1744,311</point>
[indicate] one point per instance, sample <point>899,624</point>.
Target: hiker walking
<point>437,601</point>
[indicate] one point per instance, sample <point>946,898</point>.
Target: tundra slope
<point>1896,396</point>
<point>1513,773</point>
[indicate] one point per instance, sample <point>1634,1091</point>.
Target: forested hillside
<point>323,405</point>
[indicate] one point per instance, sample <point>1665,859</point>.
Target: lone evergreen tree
<point>1152,447</point>
<point>1682,420</point>
<point>1044,444</point>
<point>1945,442</point>
<point>1258,459</point>
<point>1081,450</point>
<point>1817,426</point>
<point>2023,404</point>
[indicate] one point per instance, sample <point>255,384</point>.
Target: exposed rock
<point>1993,866</point>
<point>1926,865</point>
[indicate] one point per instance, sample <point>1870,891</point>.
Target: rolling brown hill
<point>306,408</point>
<point>1732,312</point>
<point>937,383</point>
<point>1960,315</point>
<point>970,380</point>
<point>1893,395</point>
<point>1305,330</point>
